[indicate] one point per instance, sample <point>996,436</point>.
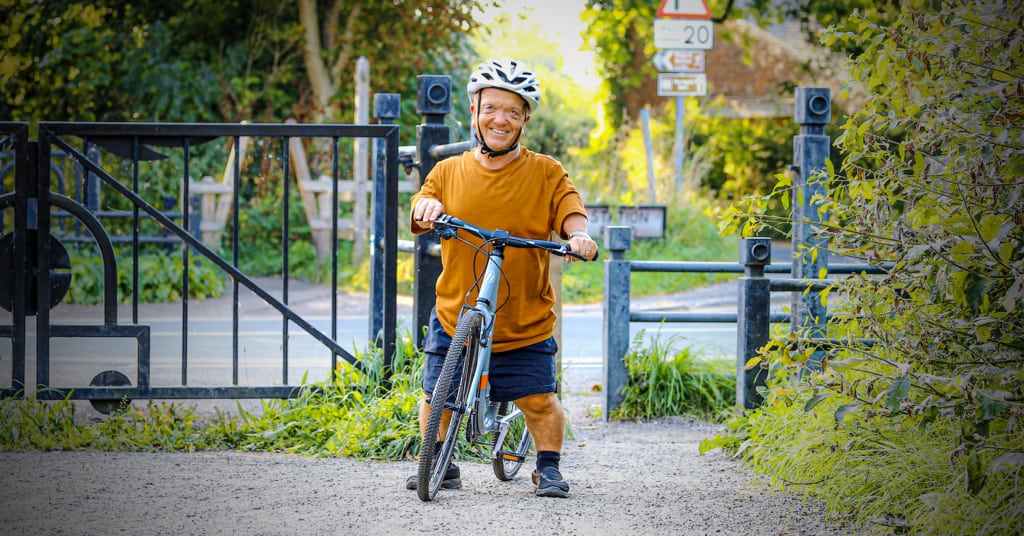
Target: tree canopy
<point>224,60</point>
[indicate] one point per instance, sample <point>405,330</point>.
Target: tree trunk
<point>320,81</point>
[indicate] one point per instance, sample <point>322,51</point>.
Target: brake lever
<point>444,230</point>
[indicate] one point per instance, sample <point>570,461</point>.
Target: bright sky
<point>558,21</point>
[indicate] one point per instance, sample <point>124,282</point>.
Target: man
<point>503,185</point>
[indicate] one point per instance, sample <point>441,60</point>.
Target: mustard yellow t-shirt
<point>530,197</point>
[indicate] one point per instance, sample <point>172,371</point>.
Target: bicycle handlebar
<point>447,225</point>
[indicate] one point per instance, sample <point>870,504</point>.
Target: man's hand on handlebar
<point>581,244</point>
<point>426,211</point>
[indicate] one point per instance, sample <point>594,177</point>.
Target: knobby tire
<point>432,465</point>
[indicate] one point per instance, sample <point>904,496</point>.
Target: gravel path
<point>626,478</point>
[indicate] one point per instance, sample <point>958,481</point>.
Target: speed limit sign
<point>684,33</point>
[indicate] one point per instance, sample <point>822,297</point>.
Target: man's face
<point>501,117</point>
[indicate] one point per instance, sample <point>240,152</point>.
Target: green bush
<point>887,475</point>
<point>160,277</point>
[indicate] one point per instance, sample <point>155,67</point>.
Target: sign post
<point>683,31</point>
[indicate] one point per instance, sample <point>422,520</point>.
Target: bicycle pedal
<point>511,457</point>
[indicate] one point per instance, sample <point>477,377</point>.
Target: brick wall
<point>762,86</point>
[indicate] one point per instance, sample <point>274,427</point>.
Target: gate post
<point>24,166</point>
<point>433,102</point>
<point>616,315</point>
<point>386,107</point>
<point>752,319</point>
<point>812,111</point>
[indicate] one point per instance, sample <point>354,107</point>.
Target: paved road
<point>76,361</point>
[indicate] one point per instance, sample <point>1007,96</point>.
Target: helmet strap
<point>484,149</point>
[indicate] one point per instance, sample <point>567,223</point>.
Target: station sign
<point>647,221</point>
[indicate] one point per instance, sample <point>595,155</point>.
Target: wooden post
<point>319,226</point>
<point>361,154</point>
<point>555,276</point>
<point>216,196</point>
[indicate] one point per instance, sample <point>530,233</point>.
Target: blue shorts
<point>513,374</point>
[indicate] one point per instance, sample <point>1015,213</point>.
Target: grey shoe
<point>548,482</point>
<point>452,479</point>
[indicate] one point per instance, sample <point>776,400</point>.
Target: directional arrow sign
<point>679,60</point>
<point>682,85</point>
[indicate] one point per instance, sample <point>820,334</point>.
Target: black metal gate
<point>49,197</point>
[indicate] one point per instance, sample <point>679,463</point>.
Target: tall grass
<point>357,414</point>
<point>32,424</point>
<point>667,381</point>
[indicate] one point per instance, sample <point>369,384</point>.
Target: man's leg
<point>546,421</point>
<point>424,416</point>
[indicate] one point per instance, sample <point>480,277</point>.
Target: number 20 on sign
<point>684,33</point>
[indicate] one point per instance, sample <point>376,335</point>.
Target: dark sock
<point>548,458</point>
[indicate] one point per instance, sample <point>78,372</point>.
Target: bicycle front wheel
<point>448,404</point>
<point>511,445</point>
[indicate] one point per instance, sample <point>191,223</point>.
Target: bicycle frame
<point>482,411</point>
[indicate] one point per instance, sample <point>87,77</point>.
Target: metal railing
<point>752,318</point>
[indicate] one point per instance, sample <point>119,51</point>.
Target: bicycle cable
<point>485,249</point>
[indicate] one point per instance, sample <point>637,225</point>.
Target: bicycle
<point>471,349</point>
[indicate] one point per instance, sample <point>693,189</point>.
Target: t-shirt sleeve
<point>430,190</point>
<point>565,201</point>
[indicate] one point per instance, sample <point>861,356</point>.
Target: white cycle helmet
<point>510,75</point>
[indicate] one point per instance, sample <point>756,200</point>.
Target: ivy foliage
<point>934,181</point>
<point>931,187</point>
<point>621,33</point>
